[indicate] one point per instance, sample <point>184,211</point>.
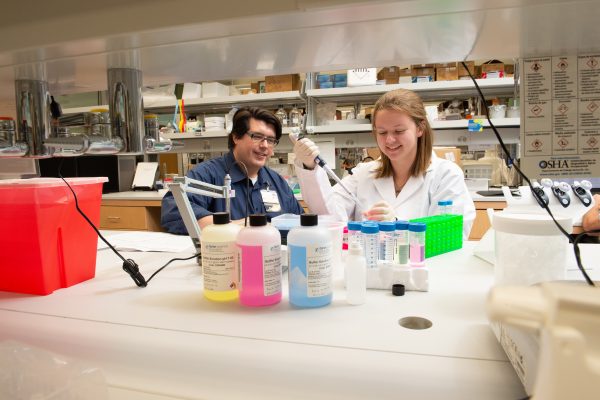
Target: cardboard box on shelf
<point>282,83</point>
<point>422,72</point>
<point>463,73</point>
<point>449,153</point>
<point>389,74</point>
<point>492,69</point>
<point>405,75</point>
<point>446,72</point>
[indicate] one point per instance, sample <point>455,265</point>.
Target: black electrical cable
<point>129,265</point>
<point>247,189</point>
<point>533,192</point>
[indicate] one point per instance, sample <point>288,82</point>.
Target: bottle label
<point>219,261</point>
<point>311,269</point>
<point>260,268</point>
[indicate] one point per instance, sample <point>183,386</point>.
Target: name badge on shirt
<point>270,200</point>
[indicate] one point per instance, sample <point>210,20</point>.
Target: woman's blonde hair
<point>408,102</point>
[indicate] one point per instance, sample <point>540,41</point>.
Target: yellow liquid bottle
<point>220,259</point>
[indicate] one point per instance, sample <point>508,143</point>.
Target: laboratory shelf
<point>427,90</point>
<point>206,134</point>
<point>208,104</point>
<point>212,103</point>
<point>456,124</point>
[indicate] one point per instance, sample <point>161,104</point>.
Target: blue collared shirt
<point>213,171</point>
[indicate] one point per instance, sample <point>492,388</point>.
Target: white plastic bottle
<point>310,263</point>
<point>220,259</point>
<point>356,275</point>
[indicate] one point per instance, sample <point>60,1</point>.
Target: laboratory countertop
<point>167,340</point>
<point>136,195</point>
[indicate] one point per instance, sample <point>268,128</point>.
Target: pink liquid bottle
<point>260,263</point>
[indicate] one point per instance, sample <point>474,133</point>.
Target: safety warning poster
<point>560,105</point>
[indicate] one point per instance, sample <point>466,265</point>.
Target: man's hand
<point>380,211</point>
<point>306,151</point>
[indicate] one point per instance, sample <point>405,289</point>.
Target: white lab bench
<point>166,341</point>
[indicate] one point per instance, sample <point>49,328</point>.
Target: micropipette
<point>294,137</point>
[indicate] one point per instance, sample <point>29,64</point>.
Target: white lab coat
<point>443,180</point>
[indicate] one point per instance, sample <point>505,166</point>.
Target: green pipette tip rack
<point>442,234</point>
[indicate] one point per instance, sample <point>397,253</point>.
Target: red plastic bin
<point>45,244</point>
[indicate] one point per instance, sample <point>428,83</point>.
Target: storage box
<point>446,72</point>
<point>389,74</point>
<point>442,234</point>
<point>449,153</point>
<point>282,83</point>
<point>422,73</point>
<point>45,243</point>
<point>362,77</point>
<point>492,69</point>
<point>463,73</point>
<point>214,89</point>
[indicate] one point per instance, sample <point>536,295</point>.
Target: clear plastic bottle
<point>310,263</point>
<point>295,117</point>
<point>220,259</point>
<point>402,243</point>
<point>282,116</point>
<point>387,240</point>
<point>260,263</point>
<point>370,236</point>
<point>356,275</point>
<point>416,237</point>
<point>445,207</point>
<point>354,235</point>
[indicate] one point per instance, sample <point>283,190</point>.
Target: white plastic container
<point>309,260</point>
<point>529,248</point>
<point>356,275</point>
<point>220,259</point>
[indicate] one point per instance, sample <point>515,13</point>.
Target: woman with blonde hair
<point>405,182</point>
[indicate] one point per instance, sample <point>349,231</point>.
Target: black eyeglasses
<point>259,137</point>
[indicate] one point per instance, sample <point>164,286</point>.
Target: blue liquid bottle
<point>310,267</point>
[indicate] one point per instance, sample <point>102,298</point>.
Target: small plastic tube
<point>416,237</point>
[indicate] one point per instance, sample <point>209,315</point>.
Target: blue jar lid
<point>444,202</point>
<point>369,227</point>
<point>401,225</point>
<point>417,227</point>
<point>354,225</point>
<point>387,226</point>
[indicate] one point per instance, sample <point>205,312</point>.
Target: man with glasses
<point>252,141</point>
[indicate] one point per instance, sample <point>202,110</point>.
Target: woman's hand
<point>591,219</point>
<point>380,211</point>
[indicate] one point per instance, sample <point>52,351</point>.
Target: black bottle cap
<point>221,218</point>
<point>398,289</point>
<point>258,220</point>
<point>309,220</point>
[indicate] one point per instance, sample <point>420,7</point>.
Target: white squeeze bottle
<point>356,275</point>
<point>220,258</point>
<point>310,263</point>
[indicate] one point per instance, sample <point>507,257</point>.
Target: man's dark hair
<point>241,122</point>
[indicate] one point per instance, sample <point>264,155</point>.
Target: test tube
<point>402,242</point>
<point>416,237</point>
<point>354,234</point>
<point>445,207</point>
<point>370,235</point>
<point>387,236</point>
